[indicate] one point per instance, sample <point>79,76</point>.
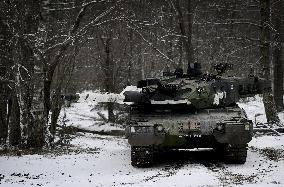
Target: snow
<point>109,162</point>
<point>98,97</point>
<point>219,96</point>
<point>172,102</point>
<point>131,88</point>
<point>254,109</point>
<point>85,114</point>
<point>109,167</point>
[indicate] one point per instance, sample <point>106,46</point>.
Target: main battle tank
<point>193,110</point>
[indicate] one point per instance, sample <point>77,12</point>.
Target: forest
<point>52,48</point>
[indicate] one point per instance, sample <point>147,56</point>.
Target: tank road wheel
<point>235,154</point>
<point>142,156</point>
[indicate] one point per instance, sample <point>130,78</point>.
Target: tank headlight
<point>220,127</point>
<point>145,90</point>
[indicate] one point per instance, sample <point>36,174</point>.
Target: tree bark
<point>5,66</point>
<point>186,36</point>
<point>3,113</point>
<point>56,106</point>
<point>278,12</point>
<point>109,78</point>
<point>130,61</point>
<point>268,99</point>
<point>14,122</point>
<point>190,52</point>
<point>28,76</point>
<point>32,98</point>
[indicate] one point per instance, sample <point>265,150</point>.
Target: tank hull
<point>209,128</point>
<point>179,130</point>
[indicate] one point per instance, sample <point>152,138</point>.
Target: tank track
<point>142,156</point>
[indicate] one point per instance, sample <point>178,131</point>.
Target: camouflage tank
<point>185,111</point>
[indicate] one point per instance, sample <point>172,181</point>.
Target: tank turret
<point>195,91</point>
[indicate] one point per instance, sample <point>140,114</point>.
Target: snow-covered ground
<point>85,115</point>
<point>105,160</point>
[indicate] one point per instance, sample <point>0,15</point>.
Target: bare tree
<point>36,53</point>
<point>268,99</point>
<point>278,57</point>
<point>4,89</point>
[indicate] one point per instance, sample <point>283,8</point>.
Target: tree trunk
<point>28,90</point>
<point>189,51</point>
<point>5,66</point>
<point>268,99</point>
<point>57,103</point>
<point>3,113</point>
<point>37,136</point>
<point>130,61</point>
<point>109,78</point>
<point>14,122</point>
<point>186,36</point>
<point>278,55</point>
<point>183,41</point>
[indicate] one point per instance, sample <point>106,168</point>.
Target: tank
<point>192,110</point>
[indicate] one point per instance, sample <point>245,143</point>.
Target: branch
<point>75,32</point>
<point>226,23</point>
<point>239,49</point>
<point>135,28</point>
